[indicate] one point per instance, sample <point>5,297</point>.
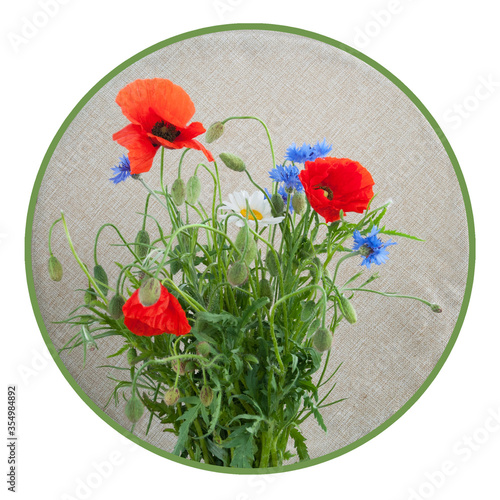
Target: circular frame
<point>374,65</point>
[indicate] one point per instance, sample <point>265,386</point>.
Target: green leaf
<point>189,417</point>
<point>251,309</point>
<point>219,452</point>
<point>373,277</point>
<point>250,359</point>
<point>308,403</point>
<point>217,319</point>
<point>402,235</point>
<point>120,351</point>
<point>191,400</point>
<point>300,443</point>
<point>353,278</point>
<point>242,441</point>
<point>376,220</point>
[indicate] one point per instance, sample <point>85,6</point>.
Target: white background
<point>444,52</point>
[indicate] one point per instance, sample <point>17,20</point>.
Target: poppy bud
<point>115,306</point>
<point>142,242</point>
<point>102,279</point>
<point>266,290</point>
<point>273,263</point>
<point>299,203</point>
<point>206,395</point>
<point>322,340</point>
<point>436,308</point>
<point>179,366</point>
<point>217,438</point>
<point>89,296</point>
<point>55,269</point>
<point>203,349</point>
<point>277,205</point>
<point>150,292</point>
<point>193,189</point>
<point>348,309</point>
<point>131,355</point>
<point>251,247</point>
<point>233,162</point>
<point>134,409</point>
<point>179,192</point>
<point>172,396</point>
<point>190,367</point>
<point>238,273</point>
<point>214,132</point>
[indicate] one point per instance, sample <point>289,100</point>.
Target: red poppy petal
<point>194,144</point>
<point>349,182</point>
<point>176,320</point>
<point>144,101</point>
<point>191,131</point>
<point>140,148</point>
<point>166,316</point>
<point>139,328</point>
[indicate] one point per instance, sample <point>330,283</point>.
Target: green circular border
<point>261,27</point>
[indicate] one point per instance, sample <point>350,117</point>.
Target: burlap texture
<point>304,90</point>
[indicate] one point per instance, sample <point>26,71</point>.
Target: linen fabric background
<point>305,90</point>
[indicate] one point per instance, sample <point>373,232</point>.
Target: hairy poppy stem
<point>389,294</point>
<point>263,124</point>
<point>50,235</point>
<point>78,260</point>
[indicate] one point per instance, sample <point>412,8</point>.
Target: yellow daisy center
<point>251,214</point>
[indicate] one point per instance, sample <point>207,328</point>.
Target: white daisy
<point>259,207</point>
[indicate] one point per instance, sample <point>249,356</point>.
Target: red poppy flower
<point>159,112</point>
<point>335,184</point>
<point>166,316</point>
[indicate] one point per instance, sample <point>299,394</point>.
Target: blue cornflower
<point>122,171</point>
<point>298,154</point>
<point>288,175</point>
<point>371,247</point>
<point>321,149</point>
<point>307,152</point>
<point>282,192</point>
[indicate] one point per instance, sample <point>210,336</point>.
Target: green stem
<point>146,212</point>
<point>50,235</point>
<point>345,257</point>
<point>128,245</point>
<point>273,310</point>
<point>265,128</point>
<point>267,439</point>
<point>389,294</point>
<point>258,187</point>
<point>180,162</point>
<point>167,360</point>
<point>78,260</point>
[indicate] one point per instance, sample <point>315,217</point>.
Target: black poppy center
<point>165,131</point>
<point>327,192</point>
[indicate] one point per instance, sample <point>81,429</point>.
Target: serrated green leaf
<point>300,444</point>
<point>217,319</point>
<point>189,417</point>
<point>242,441</point>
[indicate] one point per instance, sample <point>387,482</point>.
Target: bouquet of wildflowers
<point>226,318</point>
